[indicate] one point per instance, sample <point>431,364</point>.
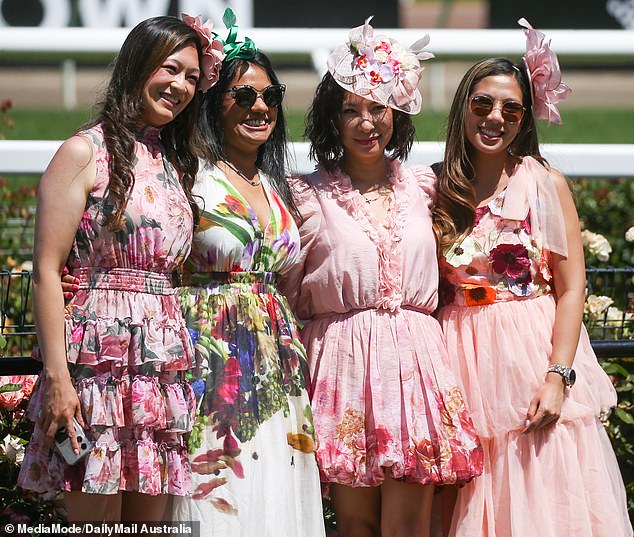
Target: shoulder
<point>77,152</point>
<point>302,188</point>
<point>425,178</point>
<point>553,175</point>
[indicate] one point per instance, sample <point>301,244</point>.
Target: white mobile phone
<point>62,441</point>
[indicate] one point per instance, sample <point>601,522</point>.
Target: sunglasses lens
<point>245,96</point>
<point>512,112</point>
<point>273,95</point>
<point>481,106</point>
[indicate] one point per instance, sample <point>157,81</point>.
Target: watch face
<point>572,377</point>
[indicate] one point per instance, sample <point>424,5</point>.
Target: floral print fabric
<point>498,261</point>
<point>383,394</point>
<point>127,344</point>
<point>253,439</point>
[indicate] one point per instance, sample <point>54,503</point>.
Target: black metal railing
<point>611,330</point>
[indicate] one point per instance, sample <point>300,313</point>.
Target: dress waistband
<point>205,279</point>
<point>124,279</point>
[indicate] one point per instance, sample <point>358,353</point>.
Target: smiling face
<point>366,127</point>
<point>171,87</point>
<point>246,129</point>
<point>492,134</point>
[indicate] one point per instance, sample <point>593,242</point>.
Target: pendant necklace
<point>252,182</point>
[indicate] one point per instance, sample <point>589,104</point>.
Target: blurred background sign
<point>573,14</point>
<point>260,13</point>
<point>563,14</point>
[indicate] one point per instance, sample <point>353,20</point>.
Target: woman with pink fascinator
<point>113,406</point>
<point>512,289</point>
<point>389,418</point>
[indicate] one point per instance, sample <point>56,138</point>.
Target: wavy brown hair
<point>323,132</point>
<point>454,212</point>
<point>120,113</point>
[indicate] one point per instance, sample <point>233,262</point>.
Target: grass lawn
<point>581,125</point>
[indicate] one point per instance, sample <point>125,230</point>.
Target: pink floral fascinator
<point>212,49</point>
<point>380,69</point>
<point>544,75</point>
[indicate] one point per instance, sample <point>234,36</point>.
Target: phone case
<point>62,441</point>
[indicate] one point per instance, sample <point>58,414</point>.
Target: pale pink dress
<point>127,345</point>
<point>498,322</point>
<point>383,395</point>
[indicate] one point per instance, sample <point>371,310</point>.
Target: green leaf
<point>616,369</point>
<point>229,18</point>
<point>10,388</point>
<point>624,416</point>
<point>3,342</point>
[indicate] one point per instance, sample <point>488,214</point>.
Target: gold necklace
<point>252,182</point>
<point>383,191</point>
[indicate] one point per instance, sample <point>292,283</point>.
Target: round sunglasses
<point>245,96</point>
<point>481,106</point>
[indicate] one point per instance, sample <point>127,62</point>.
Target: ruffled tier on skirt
<point>384,397</point>
<point>564,480</point>
<point>500,354</point>
<point>128,349</point>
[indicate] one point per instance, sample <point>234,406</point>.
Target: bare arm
<point>569,282</point>
<point>62,196</point>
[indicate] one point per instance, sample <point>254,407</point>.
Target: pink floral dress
<point>127,344</point>
<point>383,394</point>
<point>498,318</point>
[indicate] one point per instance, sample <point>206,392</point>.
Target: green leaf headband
<point>235,49</point>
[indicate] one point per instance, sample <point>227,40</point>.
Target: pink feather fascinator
<point>547,89</point>
<point>212,51</point>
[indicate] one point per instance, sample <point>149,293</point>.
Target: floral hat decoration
<point>232,47</point>
<point>544,75</point>
<point>379,68</point>
<point>212,50</point>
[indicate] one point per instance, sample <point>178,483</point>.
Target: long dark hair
<point>272,154</point>
<point>120,112</point>
<point>323,133</point>
<point>454,212</point>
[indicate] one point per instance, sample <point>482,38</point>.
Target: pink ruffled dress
<point>383,395</point>
<point>498,320</point>
<point>127,343</point>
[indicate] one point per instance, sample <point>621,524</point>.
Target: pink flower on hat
<point>379,68</point>
<point>544,73</point>
<point>212,51</point>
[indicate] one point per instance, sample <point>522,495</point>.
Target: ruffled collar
<point>386,237</point>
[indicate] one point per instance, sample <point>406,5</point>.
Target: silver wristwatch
<point>568,374</point>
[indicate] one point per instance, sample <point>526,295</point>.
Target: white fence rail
<point>444,42</point>
<point>574,160</point>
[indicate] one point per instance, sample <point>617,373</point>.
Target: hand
<point>59,407</point>
<point>70,284</point>
<point>545,407</point>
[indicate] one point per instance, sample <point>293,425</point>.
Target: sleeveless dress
<point>498,318</point>
<point>127,344</point>
<point>383,394</point>
<point>252,446</point>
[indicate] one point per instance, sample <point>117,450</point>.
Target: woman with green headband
<point>252,447</point>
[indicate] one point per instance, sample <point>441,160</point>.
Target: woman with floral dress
<point>115,206</point>
<point>252,446</point>
<point>389,418</point>
<point>513,292</point>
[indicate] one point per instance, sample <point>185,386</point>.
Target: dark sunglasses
<point>481,106</point>
<point>245,96</point>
